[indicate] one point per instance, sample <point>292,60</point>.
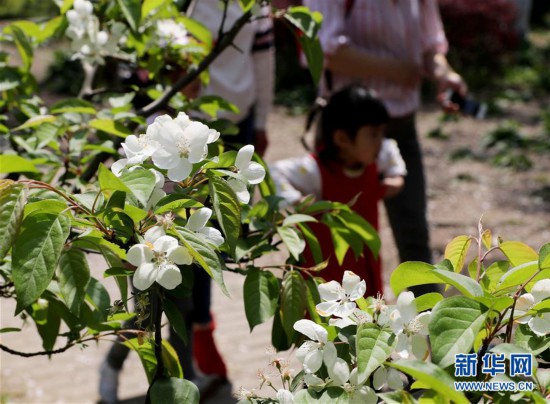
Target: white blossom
<point>387,377</point>
<point>197,223</point>
<point>181,143</point>
<point>250,171</point>
<point>539,324</point>
<point>156,260</point>
<point>339,299</point>
<point>285,397</point>
<point>312,354</point>
<point>409,327</point>
<point>172,33</point>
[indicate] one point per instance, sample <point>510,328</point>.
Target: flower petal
<point>153,234</point>
<point>350,281</point>
<point>285,396</point>
<point>181,171</point>
<point>139,254</point>
<point>118,166</point>
<point>145,275</point>
<point>329,354</point>
<point>198,219</point>
<point>379,378</point>
<point>244,156</point>
<point>240,189</point>
<point>213,235</point>
<point>525,302</point>
<point>254,173</point>
<point>197,134</point>
<point>305,349</point>
<point>394,379</point>
<point>419,346</point>
<point>363,395</point>
<point>422,321</point>
<point>345,310</point>
<point>540,325</point>
<point>327,309</point>
<point>311,330</point>
<point>165,244</point>
<point>312,380</point>
<point>541,290</point>
<point>169,276</point>
<point>406,306</point>
<point>339,372</point>
<point>180,255</point>
<point>330,291</point>
<point>313,361</point>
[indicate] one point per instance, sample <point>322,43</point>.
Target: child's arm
<point>391,168</point>
<point>296,178</point>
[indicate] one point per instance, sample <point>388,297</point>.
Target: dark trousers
<point>407,210</point>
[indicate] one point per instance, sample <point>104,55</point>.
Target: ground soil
<point>514,205</point>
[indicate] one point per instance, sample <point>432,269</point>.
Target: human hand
<point>260,141</point>
<point>450,81</point>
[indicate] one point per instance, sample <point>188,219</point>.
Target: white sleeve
<point>296,178</point>
<point>389,162</point>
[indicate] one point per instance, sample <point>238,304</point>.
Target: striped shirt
<point>398,29</point>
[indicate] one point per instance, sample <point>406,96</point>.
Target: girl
<point>351,162</point>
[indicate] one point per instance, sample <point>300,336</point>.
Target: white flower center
<point>183,146</point>
<point>412,327</point>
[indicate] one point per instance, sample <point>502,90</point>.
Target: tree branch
<point>223,42</point>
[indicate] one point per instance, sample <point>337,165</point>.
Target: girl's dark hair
<point>348,109</point>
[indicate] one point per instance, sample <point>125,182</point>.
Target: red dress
<point>338,187</point>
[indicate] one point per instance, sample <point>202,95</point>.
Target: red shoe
<point>207,357</point>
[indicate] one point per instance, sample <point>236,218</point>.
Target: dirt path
<point>459,194</point>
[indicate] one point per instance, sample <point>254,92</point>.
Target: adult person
<point>390,46</point>
<point>242,74</point>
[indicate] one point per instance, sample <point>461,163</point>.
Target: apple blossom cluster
<point>157,257</point>
<point>171,33</point>
<point>89,43</point>
<point>176,144</point>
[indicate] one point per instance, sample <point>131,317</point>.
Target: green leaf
<point>334,395</point>
<point>293,302</point>
<point>118,271</point>
<point>312,242</point>
<point>66,5</point>
<point>110,126</point>
<point>279,339</point>
<point>35,121</point>
<point>509,349</point>
<point>292,241</point>
<point>174,391</point>
<point>35,255</point>
<point>176,319</point>
<point>528,340</point>
<point>98,296</point>
<point>398,397</point>
<point>9,329</point>
<point>132,11</point>
<point>10,78</point>
<point>146,353</point>
<point>73,105</point>
<point>427,301</point>
<point>23,45</point>
<point>227,208</point>
<point>374,346</point>
<point>202,252</point>
<point>150,5</point>
<point>457,250</point>
<point>246,5</point>
<point>10,163</point>
<point>298,218</point>
<point>313,299</point>
<point>518,253</point>
<point>363,229</point>
<point>73,276</point>
<point>431,375</point>
<point>314,56</point>
<point>487,239</point>
<point>175,202</point>
<point>414,273</point>
<point>493,274</point>
<point>12,201</point>
<point>544,256</point>
<point>518,275</point>
<point>453,326</point>
<point>47,322</point>
<point>141,183</point>
<point>261,294</point>
<point>307,21</point>
<point>50,28</point>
